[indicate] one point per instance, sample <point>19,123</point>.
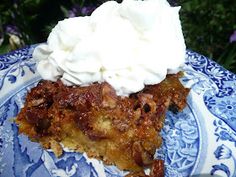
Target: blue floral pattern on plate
<point>207,125</point>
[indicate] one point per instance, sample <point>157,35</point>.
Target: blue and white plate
<point>201,140</point>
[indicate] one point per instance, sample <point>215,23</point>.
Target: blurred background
<point>209,26</point>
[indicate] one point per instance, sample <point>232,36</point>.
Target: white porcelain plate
<point>201,140</point>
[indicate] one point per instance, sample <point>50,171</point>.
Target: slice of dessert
<point>108,80</point>
<point>123,131</point>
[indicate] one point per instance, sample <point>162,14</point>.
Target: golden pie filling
<point>123,131</point>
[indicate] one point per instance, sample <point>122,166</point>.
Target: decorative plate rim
<point>205,88</point>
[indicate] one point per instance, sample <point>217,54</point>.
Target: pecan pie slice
<point>123,131</point>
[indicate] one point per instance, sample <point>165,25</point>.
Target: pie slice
<point>123,131</point>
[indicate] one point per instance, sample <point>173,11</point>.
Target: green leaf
<point>5,49</point>
<point>64,10</point>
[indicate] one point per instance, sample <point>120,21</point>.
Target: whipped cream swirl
<point>129,45</point>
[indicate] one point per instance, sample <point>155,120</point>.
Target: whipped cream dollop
<point>129,45</point>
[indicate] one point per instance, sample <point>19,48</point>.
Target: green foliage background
<point>207,24</point>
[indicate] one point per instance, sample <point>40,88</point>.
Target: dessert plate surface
<point>201,140</point>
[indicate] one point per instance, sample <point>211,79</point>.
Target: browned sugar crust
<point>123,131</point>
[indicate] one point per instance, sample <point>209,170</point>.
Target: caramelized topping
<point>120,130</point>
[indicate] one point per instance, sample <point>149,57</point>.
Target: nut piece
<point>158,169</point>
